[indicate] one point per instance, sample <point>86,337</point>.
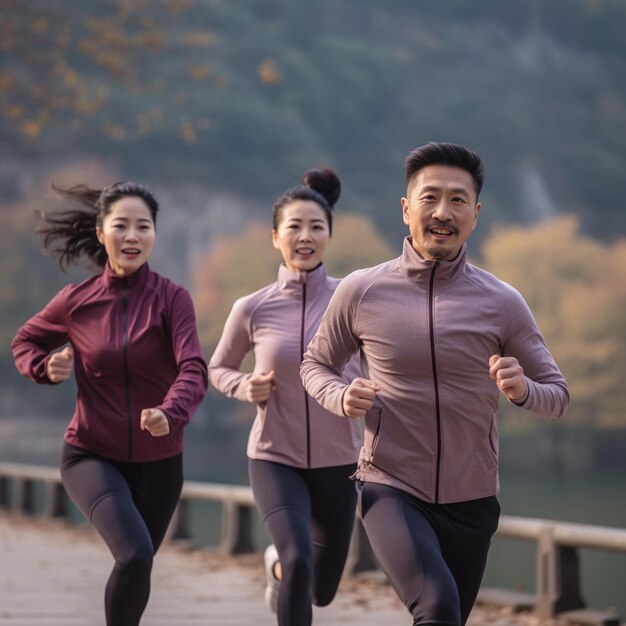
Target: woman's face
<point>302,235</point>
<point>128,234</point>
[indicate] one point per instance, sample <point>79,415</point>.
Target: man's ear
<point>476,212</point>
<point>405,210</point>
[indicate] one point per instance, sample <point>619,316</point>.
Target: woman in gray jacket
<point>300,455</point>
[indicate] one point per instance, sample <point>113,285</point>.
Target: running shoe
<point>273,584</point>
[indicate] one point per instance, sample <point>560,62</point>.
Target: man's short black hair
<point>437,153</point>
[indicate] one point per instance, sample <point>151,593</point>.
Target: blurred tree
<point>356,243</point>
<point>233,267</point>
<point>101,72</point>
<point>208,92</point>
<point>576,288</point>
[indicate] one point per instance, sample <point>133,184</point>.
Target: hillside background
<point>219,106</point>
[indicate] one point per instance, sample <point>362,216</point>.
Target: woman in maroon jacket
<point>139,372</point>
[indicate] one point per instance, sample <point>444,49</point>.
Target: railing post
<point>568,580</point>
<point>23,496</point>
<point>236,528</point>
<point>558,580</point>
<point>546,582</point>
<point>360,557</point>
<point>56,504</point>
<point>179,525</point>
<point>4,492</point>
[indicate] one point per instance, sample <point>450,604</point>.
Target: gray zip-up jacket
<point>425,330</point>
<point>276,323</point>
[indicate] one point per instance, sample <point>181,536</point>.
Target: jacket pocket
<point>373,421</point>
<point>493,442</point>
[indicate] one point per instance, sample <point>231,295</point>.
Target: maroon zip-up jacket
<point>135,347</point>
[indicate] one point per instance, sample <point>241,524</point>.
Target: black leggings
<point>434,555</point>
<point>130,505</point>
<point>309,516</point>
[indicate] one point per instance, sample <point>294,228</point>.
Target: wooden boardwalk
<point>54,574</point>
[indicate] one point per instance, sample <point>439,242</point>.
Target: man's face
<point>441,210</point>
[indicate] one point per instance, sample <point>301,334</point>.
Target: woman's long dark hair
<point>321,185</point>
<point>75,229</point>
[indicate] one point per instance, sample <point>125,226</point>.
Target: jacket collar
<point>417,269</point>
<point>111,280</point>
<point>293,281</point>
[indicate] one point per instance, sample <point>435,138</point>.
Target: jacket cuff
<point>521,401</point>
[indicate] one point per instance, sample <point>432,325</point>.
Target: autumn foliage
<point>576,288</point>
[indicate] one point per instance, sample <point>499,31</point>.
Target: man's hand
<point>155,422</point>
<point>359,397</point>
<point>509,376</point>
<point>259,387</point>
<point>59,367</point>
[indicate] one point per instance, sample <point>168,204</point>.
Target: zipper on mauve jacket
<point>431,323</point>
<point>306,395</point>
<point>129,415</point>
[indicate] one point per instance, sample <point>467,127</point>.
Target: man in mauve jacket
<point>440,339</point>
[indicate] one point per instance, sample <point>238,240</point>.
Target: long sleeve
<point>39,336</point>
<point>230,352</point>
<point>190,385</point>
<point>548,395</point>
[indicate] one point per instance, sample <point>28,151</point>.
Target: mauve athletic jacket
<point>426,329</point>
<point>276,323</point>
<point>135,347</point>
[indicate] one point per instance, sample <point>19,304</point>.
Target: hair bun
<point>325,181</point>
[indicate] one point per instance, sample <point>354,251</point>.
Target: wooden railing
<point>558,591</point>
<point>557,573</point>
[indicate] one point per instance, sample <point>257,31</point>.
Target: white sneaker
<point>273,584</point>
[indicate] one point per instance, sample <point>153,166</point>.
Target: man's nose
<point>441,211</point>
